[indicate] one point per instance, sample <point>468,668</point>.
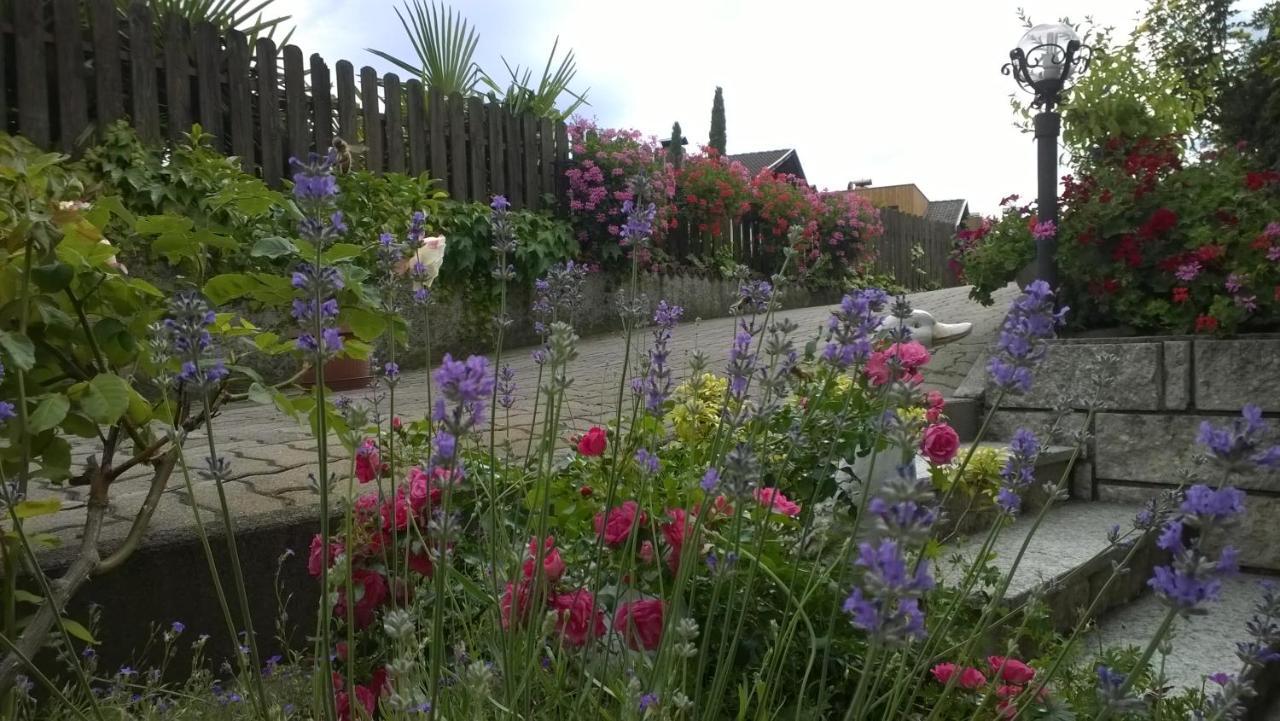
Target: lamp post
<point>1044,63</point>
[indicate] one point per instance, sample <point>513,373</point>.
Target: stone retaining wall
<point>1149,410</point>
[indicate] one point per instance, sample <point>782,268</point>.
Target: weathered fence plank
<point>457,148</point>
<point>546,156</point>
<point>177,76</point>
<point>109,98</point>
<point>372,119</point>
<point>497,166</point>
<point>29,54</point>
<point>240,99</point>
<point>394,124</point>
<point>514,171</point>
<point>476,151</point>
<point>417,103</point>
<point>437,121</point>
<point>142,62</point>
<point>73,104</point>
<point>269,111</point>
<point>346,101</point>
<point>321,104</point>
<point>296,107</point>
<point>209,81</point>
<point>529,149</point>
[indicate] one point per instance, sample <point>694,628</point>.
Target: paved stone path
<point>271,455</point>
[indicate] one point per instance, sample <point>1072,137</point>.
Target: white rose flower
<point>430,255</point>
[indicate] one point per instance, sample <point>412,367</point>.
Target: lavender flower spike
<point>1031,321</point>
<point>657,382</point>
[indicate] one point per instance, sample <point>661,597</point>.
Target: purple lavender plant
<point>187,327</point>
<point>1239,447</point>
<point>1031,321</point>
<point>639,225</point>
<point>1019,471</point>
<point>464,387</point>
<point>852,326</point>
<point>315,189</point>
<point>7,410</point>
<point>648,461</point>
<point>1193,576</point>
<point>886,601</point>
<point>657,381</point>
<point>506,387</point>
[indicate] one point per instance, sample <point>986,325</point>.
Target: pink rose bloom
<point>936,403</point>
<point>367,461</point>
<point>315,563</point>
<point>518,597</point>
<point>676,531</point>
<point>422,492</point>
<point>640,623</point>
<point>552,564</point>
<point>1011,670</point>
<point>371,591</point>
<point>911,356</point>
<point>943,671</point>
<point>972,678</point>
<point>775,501</point>
<point>940,443</point>
<point>578,619</point>
<point>623,520</point>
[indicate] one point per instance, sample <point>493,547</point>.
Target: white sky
<point>899,91</point>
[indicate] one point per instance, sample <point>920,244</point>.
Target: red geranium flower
<point>1206,324</point>
<point>1160,222</point>
<point>1180,295</point>
<point>1260,179</point>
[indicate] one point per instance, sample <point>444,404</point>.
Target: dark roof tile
<point>950,212</point>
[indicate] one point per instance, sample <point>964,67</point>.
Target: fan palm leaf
<point>445,44</point>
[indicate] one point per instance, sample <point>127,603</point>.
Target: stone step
<point>1201,645</point>
<point>1067,561</point>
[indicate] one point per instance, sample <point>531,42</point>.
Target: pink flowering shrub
<point>605,163</point>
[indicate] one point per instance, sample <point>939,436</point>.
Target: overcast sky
<point>898,91</point>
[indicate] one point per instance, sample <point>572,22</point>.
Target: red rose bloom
<point>593,442</point>
<point>640,623</point>
<point>368,462</point>
<point>371,589</point>
<point>1180,295</point>
<point>364,697</point>
<point>1260,179</point>
<point>623,520</point>
<point>676,531</point>
<point>420,563</point>
<point>578,619</point>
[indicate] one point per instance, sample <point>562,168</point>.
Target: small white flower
<point>112,262</point>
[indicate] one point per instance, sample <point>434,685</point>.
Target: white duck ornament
<point>928,331</point>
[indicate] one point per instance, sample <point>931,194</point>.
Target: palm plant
<point>521,96</point>
<point>445,44</point>
<point>240,15</point>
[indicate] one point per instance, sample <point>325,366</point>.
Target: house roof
<point>951,212</point>
<point>761,159</point>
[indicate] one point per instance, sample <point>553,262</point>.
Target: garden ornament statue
<point>931,333</point>
<point>928,331</point>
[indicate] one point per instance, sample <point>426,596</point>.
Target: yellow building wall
<point>906,198</point>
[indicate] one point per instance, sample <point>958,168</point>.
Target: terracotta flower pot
<point>343,373</point>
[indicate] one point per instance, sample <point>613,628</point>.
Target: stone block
<point>1257,536</point>
<point>1231,373</point>
<point>1082,481</point>
<point>1070,374</point>
<point>1157,448</point>
<point>1005,422</point>
<point>1177,375</point>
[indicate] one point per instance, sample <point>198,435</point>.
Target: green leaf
<point>55,460</point>
<point>366,324</point>
<point>175,247</point>
<point>54,277</point>
<point>31,508</point>
<point>22,596</point>
<point>20,349</point>
<point>75,629</point>
<point>107,398</point>
<point>258,393</point>
<point>342,251</point>
<point>78,425</point>
<point>228,287</point>
<point>167,224</point>
<point>273,247</point>
<point>139,410</point>
<point>48,414</point>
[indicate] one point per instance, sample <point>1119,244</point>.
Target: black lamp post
<point>1043,64</point>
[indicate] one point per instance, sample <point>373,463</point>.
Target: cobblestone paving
<point>271,455</point>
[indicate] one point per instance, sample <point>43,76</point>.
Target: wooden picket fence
<point>913,250</point>
<point>70,66</point>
